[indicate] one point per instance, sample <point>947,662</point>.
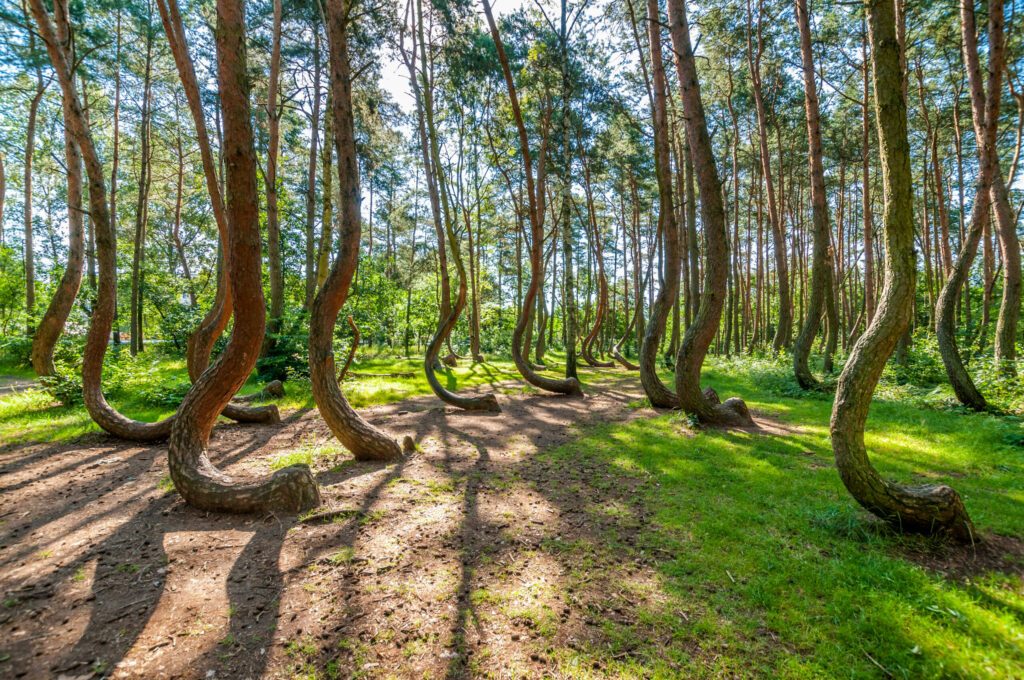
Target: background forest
<point>246,247</point>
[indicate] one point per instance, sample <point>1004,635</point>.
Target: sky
<point>395,75</point>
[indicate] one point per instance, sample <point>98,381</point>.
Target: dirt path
<point>473,556</point>
<point>12,383</point>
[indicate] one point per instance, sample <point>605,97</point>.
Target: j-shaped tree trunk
<point>701,332</point>
<point>658,393</point>
<point>200,343</point>
<point>202,485</point>
<point>360,437</point>
<point>442,212</point>
<point>985,110</point>
<point>535,195</point>
<point>597,241</point>
<point>52,324</point>
<point>103,313</point>
<point>821,267</point>
<point>925,509</point>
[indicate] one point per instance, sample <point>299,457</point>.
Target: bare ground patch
<point>471,556</point>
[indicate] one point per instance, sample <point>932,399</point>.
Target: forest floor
<point>563,537</point>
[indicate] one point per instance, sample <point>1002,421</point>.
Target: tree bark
<point>535,196</point>
<point>701,332</point>
<point>437,188</point>
<point>273,225</point>
<point>985,110</point>
<point>821,272</point>
<point>202,485</point>
<point>213,324</point>
<point>51,326</point>
<point>784,329</point>
<point>869,236</point>
<point>30,146</point>
<point>142,202</point>
<point>926,509</point>
<point>658,393</point>
<point>314,134</point>
<point>364,440</point>
<point>103,314</point>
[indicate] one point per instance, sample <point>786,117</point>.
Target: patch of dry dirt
<point>464,558</point>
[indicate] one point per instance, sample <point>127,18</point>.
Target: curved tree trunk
<point>535,194</point>
<point>441,209</point>
<point>202,485</point>
<point>587,347</point>
<point>52,324</point>
<point>617,347</point>
<point>926,509</point>
<point>360,437</point>
<point>103,314</point>
<point>985,109</point>
<point>200,343</point>
<point>701,332</point>
<point>658,393</point>
<point>821,272</point>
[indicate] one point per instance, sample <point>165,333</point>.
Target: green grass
<point>149,387</point>
<point>781,574</point>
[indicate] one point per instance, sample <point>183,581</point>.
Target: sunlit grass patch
<point>781,572</point>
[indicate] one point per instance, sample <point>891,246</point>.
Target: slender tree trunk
<point>114,166</point>
<point>142,203</point>
<point>178,197</point>
<point>660,395</point>
<point>364,440</point>
<point>202,485</point>
<point>535,194</point>
<point>869,236</point>
<point>200,343</point>
<point>701,333</point>
<point>51,326</point>
<point>1009,307</point>
<point>3,195</point>
<point>30,146</point>
<point>103,314</point>
<point>985,111</point>
<point>276,272</point>
<point>323,261</point>
<point>928,509</point>
<point>821,271</point>
<point>784,329</point>
<point>314,132</point>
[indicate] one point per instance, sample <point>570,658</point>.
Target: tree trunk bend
<point>923,509</point>
<point>51,326</point>
<point>821,272</point>
<point>200,483</point>
<point>364,440</point>
<point>701,333</point>
<point>535,194</point>
<point>658,393</point>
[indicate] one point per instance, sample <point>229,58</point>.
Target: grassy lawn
<point>767,566</point>
<point>150,387</point>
